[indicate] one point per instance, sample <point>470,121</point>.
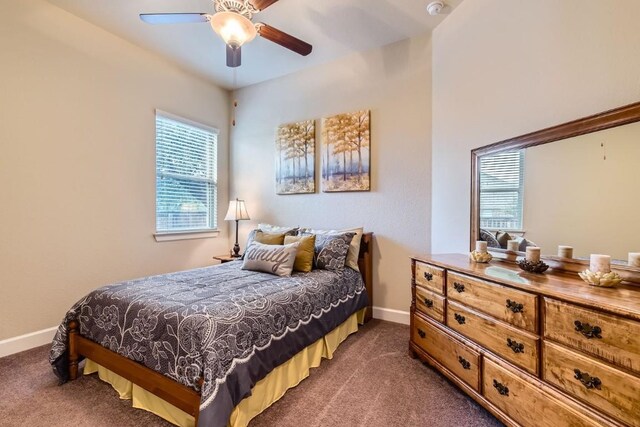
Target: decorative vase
<point>600,279</point>
<point>532,267</point>
<point>481,257</point>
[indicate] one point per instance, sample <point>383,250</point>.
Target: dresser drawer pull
<point>587,380</point>
<point>458,287</point>
<point>464,362</point>
<point>516,346</point>
<point>421,333</point>
<point>428,276</point>
<point>459,318</point>
<point>502,389</point>
<point>428,302</point>
<point>587,330</point>
<point>514,306</point>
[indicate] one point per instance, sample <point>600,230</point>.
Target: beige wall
<point>573,196</point>
<point>394,82</point>
<point>77,162</point>
<point>502,68</point>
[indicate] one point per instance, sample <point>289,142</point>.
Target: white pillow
<point>274,259</point>
<point>269,228</point>
<point>354,247</point>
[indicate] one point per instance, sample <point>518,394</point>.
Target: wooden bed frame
<point>181,396</point>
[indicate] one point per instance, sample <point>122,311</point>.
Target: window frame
<point>519,189</point>
<point>183,234</point>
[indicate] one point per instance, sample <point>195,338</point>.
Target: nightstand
<point>225,258</point>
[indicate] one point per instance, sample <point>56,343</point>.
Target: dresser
<point>533,349</point>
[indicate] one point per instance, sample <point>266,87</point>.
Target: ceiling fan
<point>232,21</point>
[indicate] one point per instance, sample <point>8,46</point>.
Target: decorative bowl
<point>603,280</point>
<point>482,257</point>
<point>533,267</point>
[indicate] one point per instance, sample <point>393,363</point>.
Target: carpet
<point>371,381</point>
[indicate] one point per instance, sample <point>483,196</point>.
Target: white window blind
<point>186,175</point>
<point>501,190</point>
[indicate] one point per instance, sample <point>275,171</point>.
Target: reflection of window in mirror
<point>501,191</point>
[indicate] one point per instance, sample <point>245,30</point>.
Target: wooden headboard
<point>365,264</point>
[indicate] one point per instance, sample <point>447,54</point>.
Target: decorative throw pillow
<point>260,236</point>
<point>488,237</point>
<point>331,250</point>
<point>502,237</point>
<point>522,243</point>
<point>274,259</point>
<point>354,246</point>
<point>304,257</point>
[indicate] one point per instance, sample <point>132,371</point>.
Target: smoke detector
<point>435,7</point>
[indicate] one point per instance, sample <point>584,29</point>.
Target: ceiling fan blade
<point>262,4</point>
<point>284,39</point>
<point>234,56</point>
<point>174,18</point>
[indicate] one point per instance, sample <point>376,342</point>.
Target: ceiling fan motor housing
<point>241,7</point>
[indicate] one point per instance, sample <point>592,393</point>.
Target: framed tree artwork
<point>295,158</point>
<point>345,152</point>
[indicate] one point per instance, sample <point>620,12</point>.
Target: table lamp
<point>237,212</point>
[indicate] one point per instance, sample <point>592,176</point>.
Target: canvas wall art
<point>346,152</point>
<point>296,158</point>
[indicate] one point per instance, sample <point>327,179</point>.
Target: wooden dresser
<point>534,350</point>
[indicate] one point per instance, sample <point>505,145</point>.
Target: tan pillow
<point>304,257</point>
<point>354,247</point>
<point>503,237</point>
<point>268,238</point>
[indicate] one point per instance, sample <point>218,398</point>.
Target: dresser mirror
<point>576,184</point>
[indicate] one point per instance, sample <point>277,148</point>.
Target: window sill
<point>170,236</point>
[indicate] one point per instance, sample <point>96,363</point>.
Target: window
<point>186,175</point>
<point>501,188</point>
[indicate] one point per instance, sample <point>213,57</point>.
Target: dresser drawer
<point>430,303</point>
<point>611,390</point>
<point>516,346</point>
<point>430,277</point>
<point>609,337</point>
<point>510,305</point>
<point>453,354</point>
<point>525,402</point>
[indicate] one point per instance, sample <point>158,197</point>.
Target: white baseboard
<point>27,341</point>
<point>391,315</point>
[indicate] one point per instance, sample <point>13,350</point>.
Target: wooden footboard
<point>164,387</point>
<point>171,391</point>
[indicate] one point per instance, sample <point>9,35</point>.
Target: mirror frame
<point>601,121</point>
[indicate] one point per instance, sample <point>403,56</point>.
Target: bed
<point>202,339</point>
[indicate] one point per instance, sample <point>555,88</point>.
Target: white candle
<point>565,251</point>
<point>513,245</point>
<point>481,246</point>
<point>600,263</point>
<point>634,259</point>
<point>533,254</point>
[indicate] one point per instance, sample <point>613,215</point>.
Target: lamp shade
<point>237,211</point>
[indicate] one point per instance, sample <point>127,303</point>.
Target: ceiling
<point>335,28</point>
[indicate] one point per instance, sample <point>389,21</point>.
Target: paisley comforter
<point>229,326</point>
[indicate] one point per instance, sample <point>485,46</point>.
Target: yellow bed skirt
<point>264,393</point>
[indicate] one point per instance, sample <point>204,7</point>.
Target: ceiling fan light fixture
<point>234,28</point>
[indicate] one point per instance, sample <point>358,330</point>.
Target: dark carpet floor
<point>371,381</point>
